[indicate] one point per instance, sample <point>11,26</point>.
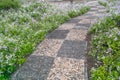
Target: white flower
<point>118,33</point>
<point>109,50</point>
<point>110,35</point>
<point>115,38</point>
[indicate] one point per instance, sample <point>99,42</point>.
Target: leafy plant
<point>6,4</point>
<point>102,3</point>
<point>105,48</point>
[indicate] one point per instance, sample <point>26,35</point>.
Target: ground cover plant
<point>105,49</point>
<point>6,4</point>
<point>112,6</point>
<point>23,28</point>
<point>102,3</point>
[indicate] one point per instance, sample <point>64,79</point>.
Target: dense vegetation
<point>112,6</point>
<point>102,3</point>
<point>6,4</point>
<point>105,48</point>
<point>105,44</point>
<point>23,28</point>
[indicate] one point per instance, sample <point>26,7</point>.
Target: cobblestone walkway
<point>61,56</point>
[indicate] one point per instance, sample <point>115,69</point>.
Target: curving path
<point>61,56</point>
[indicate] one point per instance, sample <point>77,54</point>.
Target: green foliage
<point>73,13</point>
<point>6,4</point>
<point>102,3</point>
<point>105,48</point>
<point>109,5</point>
<point>21,30</point>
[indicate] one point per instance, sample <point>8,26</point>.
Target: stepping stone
<point>72,49</point>
<point>102,11</point>
<point>58,34</point>
<point>83,24</point>
<point>100,7</point>
<point>94,8</point>
<point>36,68</point>
<point>81,17</point>
<point>74,21</point>
<point>92,17</point>
<point>91,13</point>
<point>81,28</point>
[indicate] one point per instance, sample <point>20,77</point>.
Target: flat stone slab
<point>72,49</point>
<point>73,21</point>
<point>92,17</point>
<point>100,7</point>
<point>78,27</point>
<point>94,9</point>
<point>84,16</point>
<point>58,34</point>
<point>83,24</point>
<point>36,68</point>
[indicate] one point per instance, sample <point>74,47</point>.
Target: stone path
<point>61,56</point>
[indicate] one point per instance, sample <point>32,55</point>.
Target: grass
<point>102,3</point>
<point>6,4</point>
<point>109,5</point>
<point>22,29</point>
<point>105,48</point>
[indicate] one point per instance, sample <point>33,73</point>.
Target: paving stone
<point>36,68</point>
<point>95,14</point>
<point>90,13</point>
<point>73,21</point>
<point>67,69</point>
<point>82,17</point>
<point>100,7</point>
<point>84,21</point>
<point>94,8</point>
<point>102,11</point>
<point>92,5</point>
<point>66,26</point>
<point>45,49</point>
<point>98,14</point>
<point>81,28</point>
<point>83,24</point>
<point>77,35</point>
<point>58,34</point>
<point>72,49</point>
<point>92,17</point>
